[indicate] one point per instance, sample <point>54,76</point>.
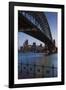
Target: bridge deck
<point>24,25</point>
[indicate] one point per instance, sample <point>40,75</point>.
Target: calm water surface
<point>36,65</point>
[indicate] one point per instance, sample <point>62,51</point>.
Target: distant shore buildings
<point>35,48</point>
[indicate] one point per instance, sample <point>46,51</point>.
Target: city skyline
<point>52,20</point>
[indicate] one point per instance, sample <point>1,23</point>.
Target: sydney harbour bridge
<point>35,24</point>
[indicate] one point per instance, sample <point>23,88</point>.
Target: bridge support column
<point>50,49</point>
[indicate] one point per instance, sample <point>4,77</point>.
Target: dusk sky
<point>52,20</point>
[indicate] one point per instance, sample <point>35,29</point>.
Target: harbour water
<point>37,65</point>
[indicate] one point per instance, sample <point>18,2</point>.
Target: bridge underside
<point>30,29</point>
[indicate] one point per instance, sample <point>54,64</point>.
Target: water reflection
<point>36,65</point>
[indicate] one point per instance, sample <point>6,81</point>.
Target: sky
<point>52,20</point>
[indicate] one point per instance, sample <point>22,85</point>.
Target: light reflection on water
<point>39,59</point>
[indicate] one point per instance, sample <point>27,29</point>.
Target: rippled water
<point>36,65</point>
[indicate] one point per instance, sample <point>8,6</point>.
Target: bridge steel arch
<point>36,25</point>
